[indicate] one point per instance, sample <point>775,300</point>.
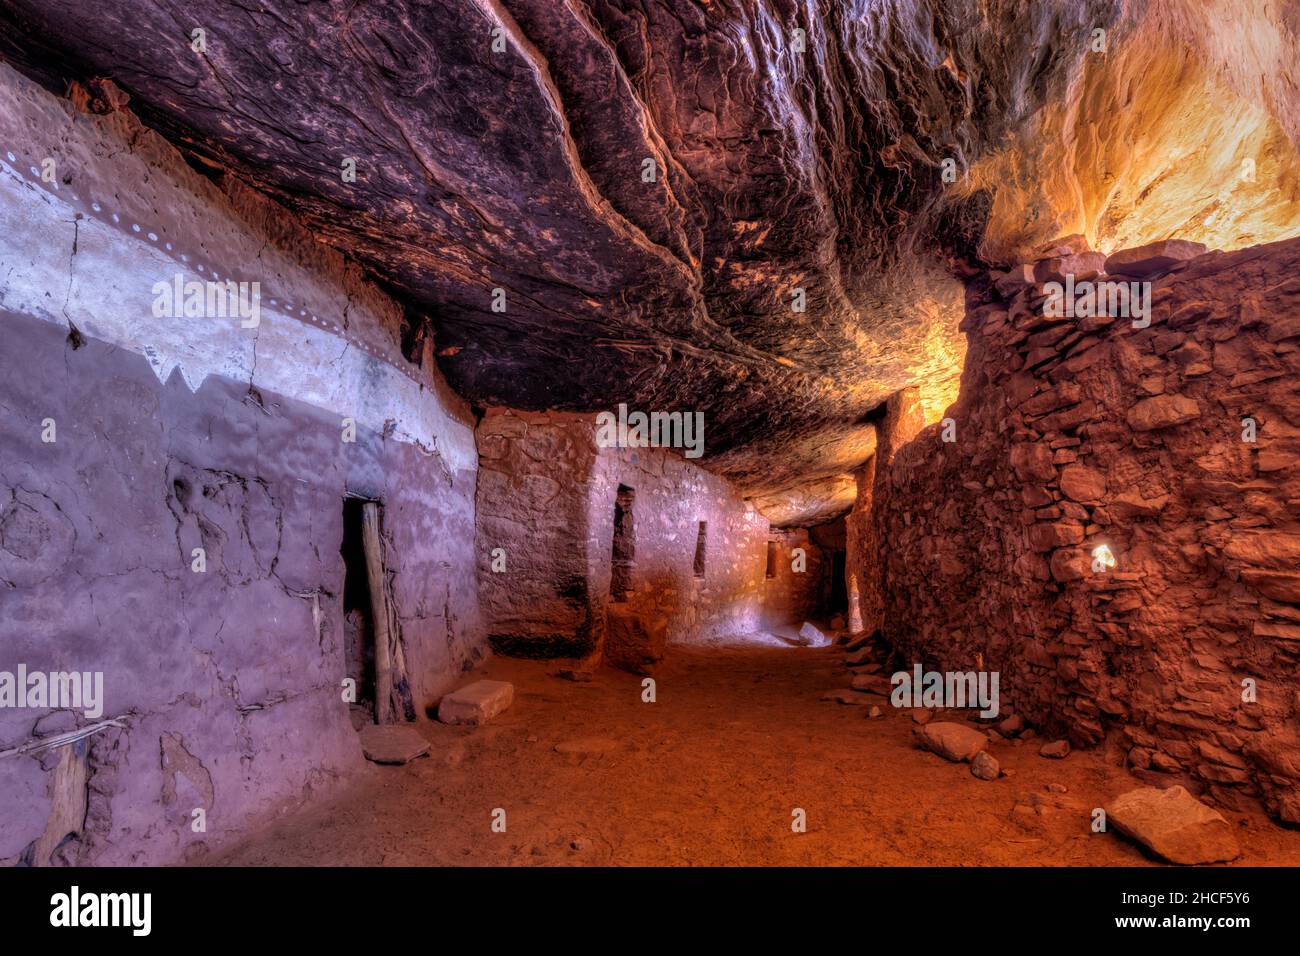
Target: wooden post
<point>68,810</point>
<point>379,612</point>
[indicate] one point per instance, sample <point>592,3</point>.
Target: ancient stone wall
<point>1175,447</point>
<point>899,421</point>
<point>696,568</point>
<point>672,594</point>
<point>534,570</point>
<point>861,556</point>
<point>131,441</point>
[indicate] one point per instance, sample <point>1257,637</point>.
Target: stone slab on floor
<point>955,742</point>
<point>476,703</point>
<point>392,743</point>
<point>1175,825</point>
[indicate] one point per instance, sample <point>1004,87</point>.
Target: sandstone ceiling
<point>501,144</point>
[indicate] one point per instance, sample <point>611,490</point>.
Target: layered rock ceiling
<point>505,144</point>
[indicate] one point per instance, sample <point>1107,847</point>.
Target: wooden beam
<point>379,612</point>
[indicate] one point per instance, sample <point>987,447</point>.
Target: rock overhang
<point>703,208</point>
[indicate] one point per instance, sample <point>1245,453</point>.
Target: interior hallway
<point>708,775</point>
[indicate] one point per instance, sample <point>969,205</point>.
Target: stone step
<point>476,703</point>
<point>392,743</point>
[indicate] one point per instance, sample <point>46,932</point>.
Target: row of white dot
<point>184,257</point>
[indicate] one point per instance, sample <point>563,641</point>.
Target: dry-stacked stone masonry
<point>1174,446</point>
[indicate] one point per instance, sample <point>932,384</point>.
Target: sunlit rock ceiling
<point>1185,127</point>
<point>506,144</point>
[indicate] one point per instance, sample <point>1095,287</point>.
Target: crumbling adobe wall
<point>546,499</point>
<point>129,439</point>
<point>1073,433</point>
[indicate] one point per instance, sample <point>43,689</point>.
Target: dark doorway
<point>839,586</point>
<point>701,547</point>
<point>376,659</point>
<point>358,612</point>
<point>620,581</point>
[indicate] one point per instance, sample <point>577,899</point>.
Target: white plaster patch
<point>107,290</point>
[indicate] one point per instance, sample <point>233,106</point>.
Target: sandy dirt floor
<point>709,774</point>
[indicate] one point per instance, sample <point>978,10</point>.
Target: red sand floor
<point>709,775</point>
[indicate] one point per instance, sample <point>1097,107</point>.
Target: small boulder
<point>1011,726</point>
<point>1056,749</point>
<point>476,703</point>
<point>809,636</point>
<point>875,712</point>
<point>955,742</point>
<point>984,766</point>
<point>1174,825</point>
